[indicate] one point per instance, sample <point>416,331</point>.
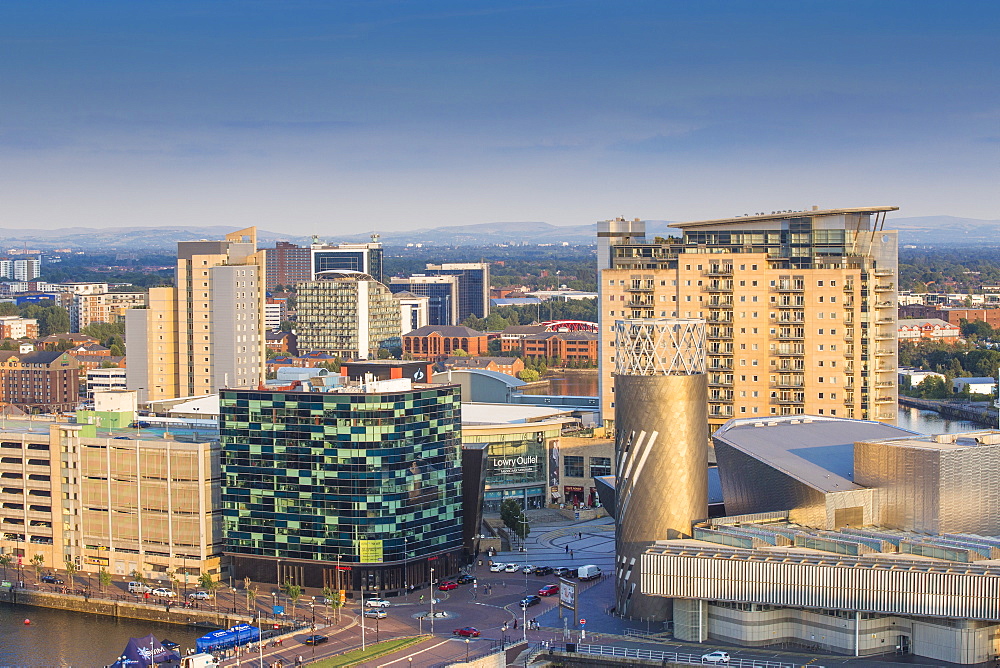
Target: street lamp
<point>406,556</point>
<point>466,650</point>
<point>432,601</point>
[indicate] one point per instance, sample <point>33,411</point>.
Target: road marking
<point>444,642</point>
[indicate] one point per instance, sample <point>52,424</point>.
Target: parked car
<point>466,632</point>
<point>376,613</point>
<point>543,570</point>
<point>497,567</point>
<point>511,568</point>
<point>51,579</point>
<point>718,656</point>
<point>464,579</point>
<point>530,600</point>
<point>377,603</point>
<point>315,640</point>
<point>549,590</point>
<point>164,592</point>
<point>447,585</point>
<point>528,568</point>
<point>565,572</point>
<point>199,596</point>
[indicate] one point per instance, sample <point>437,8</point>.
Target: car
<point>376,613</point>
<point>528,568</point>
<point>139,588</point>
<point>377,603</point>
<point>315,640</point>
<point>199,596</point>
<point>497,567</point>
<point>466,632</point>
<point>549,590</point>
<point>464,579</point>
<point>447,585</point>
<point>530,600</point>
<point>51,579</point>
<point>544,570</point>
<point>718,656</point>
<point>565,572</point>
<point>511,568</point>
<point>164,592</point>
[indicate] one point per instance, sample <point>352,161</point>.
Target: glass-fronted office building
<point>348,486</point>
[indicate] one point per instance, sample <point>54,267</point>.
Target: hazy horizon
<point>338,118</point>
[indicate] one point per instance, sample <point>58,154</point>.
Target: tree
<point>332,599</point>
<point>513,517</point>
<point>528,375</point>
<point>36,563</point>
<point>6,560</point>
<point>933,387</point>
<point>458,352</point>
<point>174,580</point>
<point>104,578</point>
<point>209,584</point>
<point>71,570</point>
<point>251,590</point>
<point>9,308</point>
<point>293,592</point>
<point>138,577</point>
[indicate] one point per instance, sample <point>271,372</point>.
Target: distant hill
<point>926,230</point>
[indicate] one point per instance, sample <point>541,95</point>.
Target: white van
<point>199,661</point>
<point>138,588</point>
<point>589,572</point>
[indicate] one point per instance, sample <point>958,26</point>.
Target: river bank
<point>981,413</point>
<point>161,613</point>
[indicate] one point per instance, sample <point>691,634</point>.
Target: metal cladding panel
<point>933,490</point>
<point>730,576</point>
<point>751,486</point>
<point>662,457</point>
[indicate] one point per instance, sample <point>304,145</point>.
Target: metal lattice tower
<point>660,347</point>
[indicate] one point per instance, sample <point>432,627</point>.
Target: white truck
<point>199,661</point>
<point>588,572</point>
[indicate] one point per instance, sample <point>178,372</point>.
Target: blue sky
<point>336,117</point>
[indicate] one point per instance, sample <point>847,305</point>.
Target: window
<point>600,466</point>
<point>573,466</point>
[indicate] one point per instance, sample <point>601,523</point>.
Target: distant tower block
<point>661,444</point>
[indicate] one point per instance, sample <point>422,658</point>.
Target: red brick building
<point>435,342</point>
<point>47,381</point>
<point>508,365</point>
<point>567,346</point>
<point>991,316</point>
<point>927,328</point>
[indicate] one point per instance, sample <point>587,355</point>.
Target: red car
<point>549,590</point>
<point>466,632</point>
<point>447,585</point>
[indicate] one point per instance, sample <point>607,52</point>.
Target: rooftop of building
<point>176,432</point>
<point>969,439</point>
<point>758,538</point>
<point>784,215</point>
<point>566,336</point>
<point>923,322</point>
<point>445,330</point>
<point>489,414</point>
<point>817,450</point>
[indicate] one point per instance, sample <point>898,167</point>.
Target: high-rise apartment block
<point>289,264</point>
<point>800,308</point>
<point>473,286</point>
<point>414,310</point>
<point>207,332</point>
<point>343,482</point>
<point>20,270</point>
<point>86,309</point>
<point>347,314</point>
<point>441,292</point>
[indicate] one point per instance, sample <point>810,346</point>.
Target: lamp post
<point>364,609</point>
<point>466,650</point>
<point>406,557</point>
<point>432,601</point>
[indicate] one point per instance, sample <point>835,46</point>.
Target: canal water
<point>61,638</point>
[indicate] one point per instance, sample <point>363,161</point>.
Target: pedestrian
<point>571,554</point>
<point>567,548</point>
<point>515,624</point>
<point>298,660</point>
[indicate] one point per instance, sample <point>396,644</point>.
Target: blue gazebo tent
<point>144,652</point>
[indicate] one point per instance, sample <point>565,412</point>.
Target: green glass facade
<point>323,486</point>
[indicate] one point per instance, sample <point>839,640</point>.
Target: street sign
<point>583,622</point>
